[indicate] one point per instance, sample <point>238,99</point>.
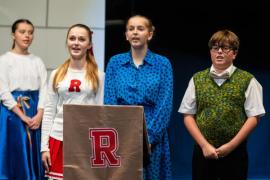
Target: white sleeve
<point>43,84</point>
<point>5,94</point>
<point>49,114</point>
<point>188,104</point>
<point>100,93</point>
<point>254,99</point>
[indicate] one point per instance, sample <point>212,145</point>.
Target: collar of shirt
<point>226,74</point>
<point>149,58</point>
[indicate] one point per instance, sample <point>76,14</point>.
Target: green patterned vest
<point>220,109</point>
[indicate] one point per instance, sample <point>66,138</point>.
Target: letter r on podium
<point>104,147</point>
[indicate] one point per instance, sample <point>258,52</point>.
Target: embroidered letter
<point>74,85</point>
<point>104,147</point>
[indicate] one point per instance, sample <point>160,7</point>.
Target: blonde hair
<point>91,66</point>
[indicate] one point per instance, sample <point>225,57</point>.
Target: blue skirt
<point>20,156</point>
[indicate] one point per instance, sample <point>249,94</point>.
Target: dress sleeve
<point>43,84</point>
<point>49,114</point>
<point>5,94</point>
<point>163,108</point>
<point>109,91</point>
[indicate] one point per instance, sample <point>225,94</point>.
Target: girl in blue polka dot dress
<point>141,77</point>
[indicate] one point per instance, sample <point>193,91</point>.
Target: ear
<point>150,36</point>
<point>126,34</point>
<point>90,45</point>
<point>235,54</point>
<point>13,36</point>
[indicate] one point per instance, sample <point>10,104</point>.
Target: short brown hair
<point>225,37</point>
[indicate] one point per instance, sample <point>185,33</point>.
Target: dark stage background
<point>182,33</point>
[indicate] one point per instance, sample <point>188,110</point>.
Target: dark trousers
<point>232,167</point>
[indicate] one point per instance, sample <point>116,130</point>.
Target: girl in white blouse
<point>22,94</point>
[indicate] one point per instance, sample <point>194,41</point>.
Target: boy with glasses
<point>221,107</point>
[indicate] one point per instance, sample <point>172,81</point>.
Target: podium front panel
<point>103,142</point>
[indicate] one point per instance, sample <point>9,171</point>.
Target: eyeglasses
<point>225,49</point>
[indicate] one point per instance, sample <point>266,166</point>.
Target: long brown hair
<point>91,67</point>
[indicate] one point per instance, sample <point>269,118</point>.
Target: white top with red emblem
<point>73,89</point>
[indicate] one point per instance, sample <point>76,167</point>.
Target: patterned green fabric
<point>220,109</point>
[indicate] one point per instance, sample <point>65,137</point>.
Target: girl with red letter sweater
<point>77,81</point>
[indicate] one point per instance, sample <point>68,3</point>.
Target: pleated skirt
<point>20,156</point>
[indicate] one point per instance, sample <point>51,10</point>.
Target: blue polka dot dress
<point>149,85</point>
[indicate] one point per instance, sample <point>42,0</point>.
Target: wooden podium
<point>104,142</point>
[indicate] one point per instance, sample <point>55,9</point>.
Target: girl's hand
<point>46,159</point>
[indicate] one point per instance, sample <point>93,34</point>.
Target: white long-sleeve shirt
<point>21,73</point>
<point>52,124</point>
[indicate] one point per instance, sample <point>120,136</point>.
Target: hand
<point>209,152</point>
<point>224,150</point>
<point>35,122</point>
<point>46,159</point>
<point>27,120</point>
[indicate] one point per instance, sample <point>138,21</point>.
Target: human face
<point>78,43</point>
<point>222,56</point>
<point>138,33</point>
<point>23,36</point>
